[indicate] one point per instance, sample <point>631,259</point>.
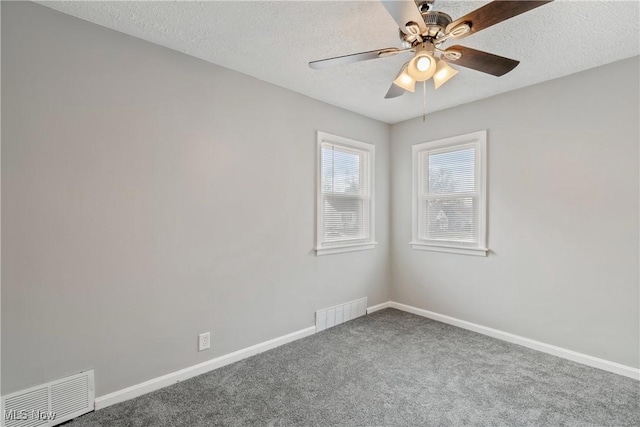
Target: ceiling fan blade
<point>394,91</point>
<point>481,61</point>
<point>354,57</point>
<point>494,13</point>
<point>403,12</point>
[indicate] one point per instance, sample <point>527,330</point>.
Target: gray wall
<point>148,196</point>
<point>563,215</point>
<point>130,173</point>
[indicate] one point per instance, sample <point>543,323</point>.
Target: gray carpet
<point>389,368</point>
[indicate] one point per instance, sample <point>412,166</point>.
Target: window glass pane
<point>345,200</point>
<point>451,171</point>
<point>345,217</point>
<point>340,171</point>
<point>449,219</point>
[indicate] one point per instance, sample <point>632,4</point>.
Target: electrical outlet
<point>204,341</point>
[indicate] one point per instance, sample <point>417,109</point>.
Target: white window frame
<point>474,139</point>
<point>327,248</point>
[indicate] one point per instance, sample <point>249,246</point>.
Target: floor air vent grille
<point>50,404</point>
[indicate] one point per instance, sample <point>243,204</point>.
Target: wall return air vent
<point>49,404</point>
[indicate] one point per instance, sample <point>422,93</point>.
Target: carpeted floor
<point>389,368</point>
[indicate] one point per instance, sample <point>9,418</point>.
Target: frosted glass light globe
<point>423,63</point>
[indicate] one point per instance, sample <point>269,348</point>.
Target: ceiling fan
<point>424,30</point>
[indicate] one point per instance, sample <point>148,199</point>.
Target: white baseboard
<point>585,359</point>
<point>382,306</point>
<point>201,368</point>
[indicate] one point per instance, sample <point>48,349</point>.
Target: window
<point>449,195</point>
<point>345,195</point>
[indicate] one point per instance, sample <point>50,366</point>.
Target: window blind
<point>448,201</point>
<point>345,194</point>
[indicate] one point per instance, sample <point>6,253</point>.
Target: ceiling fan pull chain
<point>424,102</point>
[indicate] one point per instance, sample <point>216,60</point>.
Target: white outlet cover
<point>204,341</point>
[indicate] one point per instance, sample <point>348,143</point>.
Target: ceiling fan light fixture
<point>405,81</point>
<point>422,66</point>
<point>423,63</point>
<point>443,73</point>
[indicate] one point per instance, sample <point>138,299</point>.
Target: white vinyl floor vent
<point>49,404</point>
<point>341,313</point>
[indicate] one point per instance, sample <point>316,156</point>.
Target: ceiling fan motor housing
<point>436,23</point>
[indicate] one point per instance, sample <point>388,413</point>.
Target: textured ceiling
<point>274,41</point>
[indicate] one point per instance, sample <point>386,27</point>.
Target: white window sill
<point>449,249</point>
<point>345,248</point>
